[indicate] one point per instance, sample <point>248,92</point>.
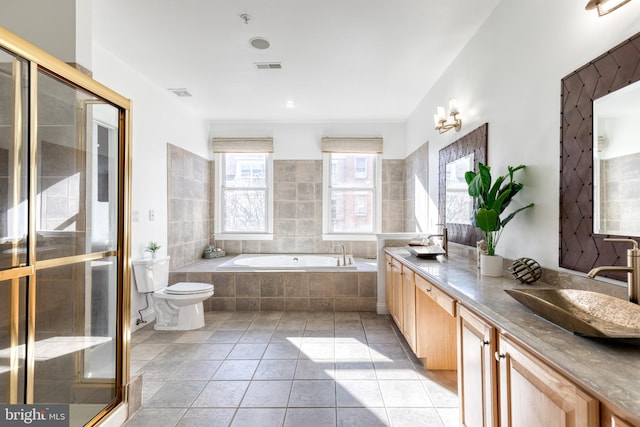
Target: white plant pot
<point>491,265</point>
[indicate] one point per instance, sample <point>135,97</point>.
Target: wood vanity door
<point>477,380</point>
<point>388,291</point>
<point>396,312</point>
<point>533,394</point>
<point>436,338</point>
<point>409,306</point>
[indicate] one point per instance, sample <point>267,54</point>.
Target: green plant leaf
<point>487,220</point>
<point>512,214</point>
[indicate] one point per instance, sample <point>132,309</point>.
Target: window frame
<point>220,172</point>
<point>327,205</point>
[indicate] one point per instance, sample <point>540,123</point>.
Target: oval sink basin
<point>586,313</point>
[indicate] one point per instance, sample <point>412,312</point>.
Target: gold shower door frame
<point>24,274</point>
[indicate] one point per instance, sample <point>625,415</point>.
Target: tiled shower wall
<point>297,206</point>
<point>189,212</point>
<point>415,184</point>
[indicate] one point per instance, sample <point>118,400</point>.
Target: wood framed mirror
<point>455,206</point>
<point>580,247</point>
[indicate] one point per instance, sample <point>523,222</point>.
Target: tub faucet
<point>344,253</point>
<point>632,269</point>
<point>444,237</point>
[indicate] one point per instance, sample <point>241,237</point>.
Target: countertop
<point>609,369</point>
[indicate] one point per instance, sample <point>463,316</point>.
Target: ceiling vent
<point>268,65</point>
<point>180,91</point>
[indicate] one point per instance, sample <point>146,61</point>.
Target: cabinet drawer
<point>447,303</point>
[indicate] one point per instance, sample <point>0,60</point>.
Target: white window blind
<point>352,145</point>
<point>242,145</point>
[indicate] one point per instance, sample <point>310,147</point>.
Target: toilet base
<point>170,317</point>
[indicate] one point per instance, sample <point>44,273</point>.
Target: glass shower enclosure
<point>64,202</point>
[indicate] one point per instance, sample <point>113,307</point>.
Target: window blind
<point>242,145</point>
<point>351,145</point>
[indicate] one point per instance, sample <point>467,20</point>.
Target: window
<point>361,167</point>
<point>244,194</point>
<point>351,193</point>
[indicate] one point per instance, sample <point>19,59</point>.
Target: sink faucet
<point>444,237</point>
<point>344,253</point>
<point>632,269</point>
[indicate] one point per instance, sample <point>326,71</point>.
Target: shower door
<point>63,246</point>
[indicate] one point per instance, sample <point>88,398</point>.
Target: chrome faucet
<point>344,253</point>
<point>632,269</point>
<point>444,237</point>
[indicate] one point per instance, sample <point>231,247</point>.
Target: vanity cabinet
<point>532,394</point>
<point>409,306</point>
<point>435,326</point>
<point>515,387</point>
<point>477,385</point>
<point>396,273</point>
<point>393,291</point>
<point>388,278</point>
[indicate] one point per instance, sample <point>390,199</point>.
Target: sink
<point>586,313</point>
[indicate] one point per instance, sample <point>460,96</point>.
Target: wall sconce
<point>444,124</point>
<point>605,6</point>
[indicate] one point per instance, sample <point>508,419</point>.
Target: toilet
<point>178,307</point>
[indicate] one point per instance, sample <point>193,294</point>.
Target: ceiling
<point>342,60</point>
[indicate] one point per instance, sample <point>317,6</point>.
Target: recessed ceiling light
<point>290,104</point>
<point>180,91</point>
<point>259,43</point>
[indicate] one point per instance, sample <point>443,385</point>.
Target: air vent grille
<point>268,65</point>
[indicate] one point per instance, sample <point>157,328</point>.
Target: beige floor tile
<point>259,417</point>
<point>313,393</point>
<point>221,394</point>
<point>275,370</point>
<point>267,394</point>
<point>310,417</point>
<point>207,417</point>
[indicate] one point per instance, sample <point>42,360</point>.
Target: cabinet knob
<point>485,343</point>
<point>499,356</point>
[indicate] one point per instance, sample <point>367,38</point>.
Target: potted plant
<point>153,247</point>
<point>491,201</point>
<point>210,252</point>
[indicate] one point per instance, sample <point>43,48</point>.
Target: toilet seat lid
<point>187,288</point>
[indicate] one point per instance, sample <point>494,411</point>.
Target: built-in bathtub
<point>305,262</point>
<point>285,282</point>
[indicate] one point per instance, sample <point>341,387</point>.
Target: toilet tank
<point>151,274</point>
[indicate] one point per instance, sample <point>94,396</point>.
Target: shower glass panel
<point>75,348</point>
<point>14,161</point>
<point>76,267</point>
<point>77,171</point>
<point>12,340</point>
<point>14,169</point>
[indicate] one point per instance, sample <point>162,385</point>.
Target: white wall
<point>301,141</point>
<point>509,75</point>
<point>157,120</point>
<point>61,28</point>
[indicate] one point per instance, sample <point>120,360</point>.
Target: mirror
<point>616,162</point>
<point>455,206</point>
<point>459,204</point>
<point>582,245</point>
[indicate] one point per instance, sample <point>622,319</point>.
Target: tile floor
<point>288,369</point>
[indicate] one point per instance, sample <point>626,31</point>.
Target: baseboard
<point>382,308</point>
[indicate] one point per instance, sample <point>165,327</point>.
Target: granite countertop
<point>609,369</point>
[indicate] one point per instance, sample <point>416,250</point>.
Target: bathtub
<point>306,262</point>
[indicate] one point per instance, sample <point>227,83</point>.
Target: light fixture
<point>444,124</point>
<point>605,6</point>
<point>259,43</point>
